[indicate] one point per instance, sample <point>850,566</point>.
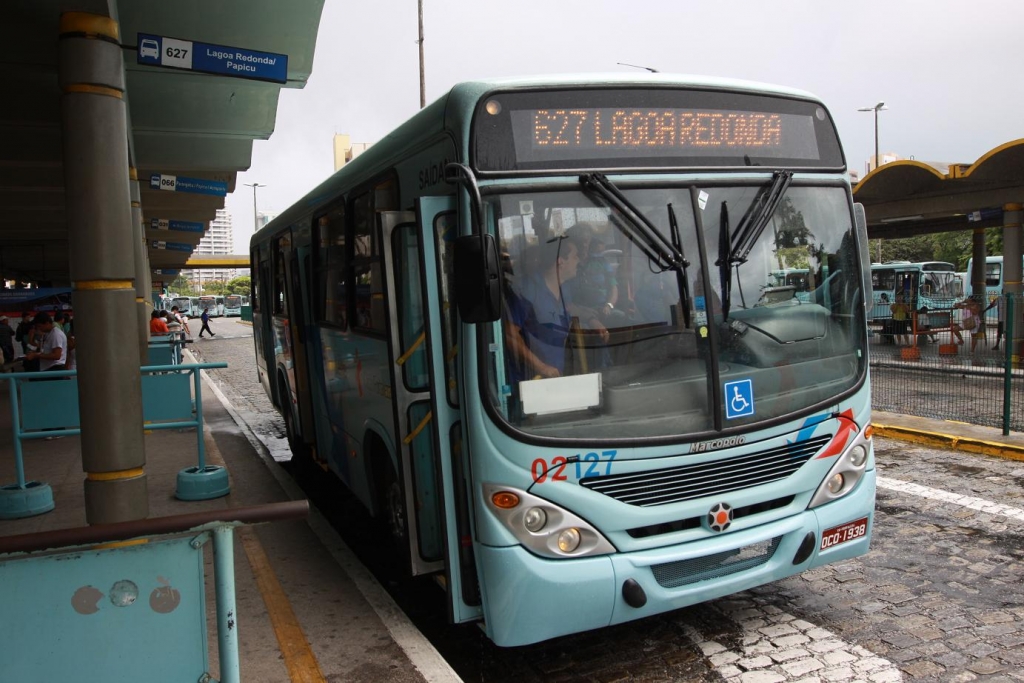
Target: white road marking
<point>979,504</point>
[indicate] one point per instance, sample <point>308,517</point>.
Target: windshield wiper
<point>651,242</point>
<point>733,249</point>
<point>681,282</point>
<point>757,216</point>
<point>724,266</point>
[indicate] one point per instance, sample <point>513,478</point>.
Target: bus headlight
<point>847,471</point>
<point>545,528</point>
<point>535,519</point>
<point>569,540</point>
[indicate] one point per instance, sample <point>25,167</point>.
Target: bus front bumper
<point>528,599</point>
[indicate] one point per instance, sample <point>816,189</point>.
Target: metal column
<point>98,206</point>
<point>141,267</point>
<point>1012,273</point>
<point>977,274</point>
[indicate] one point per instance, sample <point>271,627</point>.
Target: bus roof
<point>454,109</point>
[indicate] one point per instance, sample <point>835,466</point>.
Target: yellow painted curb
<point>950,441</point>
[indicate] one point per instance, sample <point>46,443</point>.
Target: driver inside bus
<point>540,310</point>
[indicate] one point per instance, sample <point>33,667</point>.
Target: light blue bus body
<point>618,444</point>
<point>928,287</point>
<point>994,276</point>
<point>232,305</point>
<point>184,304</point>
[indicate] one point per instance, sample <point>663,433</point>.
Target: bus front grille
<point>683,572</point>
<point>688,482</point>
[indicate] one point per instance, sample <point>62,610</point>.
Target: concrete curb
<point>950,441</point>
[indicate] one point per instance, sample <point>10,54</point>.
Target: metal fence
<point>927,372</point>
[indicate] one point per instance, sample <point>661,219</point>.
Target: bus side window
<point>367,268</point>
<point>282,246</point>
<point>332,269</point>
<point>254,280</point>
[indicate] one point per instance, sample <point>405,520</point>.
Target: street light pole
<point>423,79</point>
<point>255,220</point>
<point>877,108</point>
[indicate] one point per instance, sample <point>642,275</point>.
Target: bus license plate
<point>843,533</point>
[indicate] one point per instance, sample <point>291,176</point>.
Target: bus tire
<point>300,452</point>
<point>391,510</point>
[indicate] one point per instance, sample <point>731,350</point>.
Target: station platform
<point>307,610</point>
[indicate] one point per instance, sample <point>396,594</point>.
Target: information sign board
<point>173,183</point>
<point>180,226</point>
<point>223,60</point>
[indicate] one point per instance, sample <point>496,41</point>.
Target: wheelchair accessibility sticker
<point>739,399</point>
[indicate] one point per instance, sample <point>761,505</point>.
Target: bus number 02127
<point>587,466</point>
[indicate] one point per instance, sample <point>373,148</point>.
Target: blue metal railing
<point>50,408</point>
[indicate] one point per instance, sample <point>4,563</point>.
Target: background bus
<point>994,277</point>
<point>929,287</point>
<point>232,305</point>
<point>208,304</point>
<point>184,305</point>
<point>567,463</point>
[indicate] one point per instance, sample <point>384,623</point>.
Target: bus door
<point>418,258</point>
<point>299,334</point>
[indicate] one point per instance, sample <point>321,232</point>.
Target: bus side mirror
<point>861,220</point>
<point>477,279</point>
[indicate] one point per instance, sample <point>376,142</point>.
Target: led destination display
<point>594,133</point>
<point>654,128</point>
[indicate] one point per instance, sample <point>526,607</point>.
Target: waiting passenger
<point>973,321</point>
<point>53,352</point>
<point>157,325</point>
<point>6,340</point>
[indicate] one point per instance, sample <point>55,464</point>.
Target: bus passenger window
<point>281,247</point>
<point>332,269</point>
<point>367,268</point>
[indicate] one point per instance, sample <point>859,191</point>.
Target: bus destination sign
<point>651,128</point>
<point>592,133</point>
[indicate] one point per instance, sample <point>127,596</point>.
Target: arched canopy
<point>906,198</point>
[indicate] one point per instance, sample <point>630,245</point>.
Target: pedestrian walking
<point>205,317</point>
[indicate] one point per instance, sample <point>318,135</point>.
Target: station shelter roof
<point>907,198</point>
<point>180,123</point>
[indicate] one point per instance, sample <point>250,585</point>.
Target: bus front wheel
<point>298,447</point>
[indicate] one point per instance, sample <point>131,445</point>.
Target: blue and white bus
<point>232,305</point>
<point>929,288</point>
<point>526,330</point>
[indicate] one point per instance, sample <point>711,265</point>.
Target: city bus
<point>183,303</point>
<point>526,331</point>
<point>994,277</point>
<point>929,287</point>
<point>232,305</point>
<point>208,304</point>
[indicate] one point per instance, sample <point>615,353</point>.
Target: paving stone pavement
<point>939,597</point>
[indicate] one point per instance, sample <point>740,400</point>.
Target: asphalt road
<point>939,597</point>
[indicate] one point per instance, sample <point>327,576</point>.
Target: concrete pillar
<point>1012,272</point>
<point>102,265</point>
<point>141,267</point>
<point>977,273</point>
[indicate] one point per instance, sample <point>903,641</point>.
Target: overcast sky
<point>947,69</point>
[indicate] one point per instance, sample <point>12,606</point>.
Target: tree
<point>239,285</point>
<point>180,285</point>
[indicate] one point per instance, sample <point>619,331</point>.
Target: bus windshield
<point>232,301</point>
<point>594,342</point>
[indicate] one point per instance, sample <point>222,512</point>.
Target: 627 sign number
<point>176,52</point>
<point>590,465</point>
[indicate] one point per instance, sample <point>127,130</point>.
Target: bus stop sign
<point>190,55</point>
